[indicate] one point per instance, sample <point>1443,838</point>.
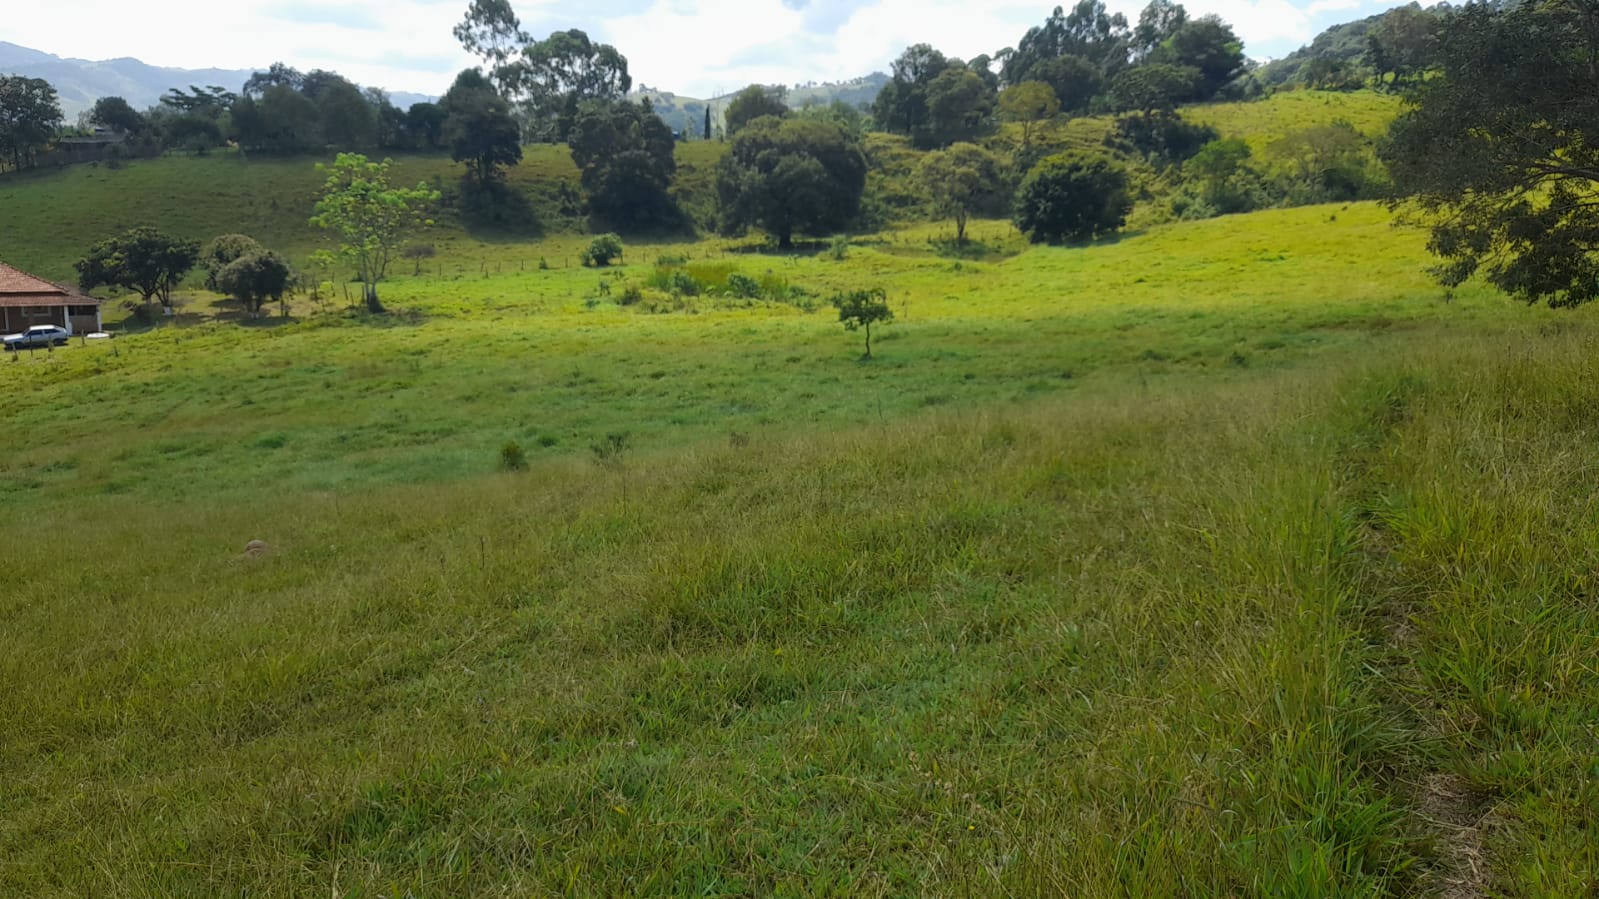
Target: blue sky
<point>694,47</point>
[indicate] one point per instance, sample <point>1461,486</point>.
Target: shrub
<point>683,284</point>
<point>602,250</point>
<point>838,250</point>
<point>512,457</point>
<point>1068,198</point>
<point>632,294</point>
<point>743,286</point>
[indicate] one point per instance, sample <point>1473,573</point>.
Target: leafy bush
<point>683,284</point>
<point>602,250</point>
<point>743,286</point>
<point>512,457</point>
<point>1068,198</point>
<point>632,294</point>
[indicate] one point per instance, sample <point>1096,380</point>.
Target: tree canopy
<point>368,216</point>
<point>750,104</point>
<point>791,175</point>
<point>142,260</point>
<point>625,155</point>
<point>935,99</point>
<point>479,129</point>
<point>1029,103</point>
<point>29,117</point>
<point>1067,198</point>
<point>961,180</point>
<point>552,78</point>
<point>1500,149</point>
<point>256,277</point>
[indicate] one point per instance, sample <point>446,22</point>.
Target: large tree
<point>1028,103</point>
<point>256,277</point>
<point>349,118</point>
<point>960,107</point>
<point>962,180</point>
<point>1066,198</point>
<point>1500,148</point>
<point>479,128</point>
<point>624,153</point>
<point>492,31</point>
<point>1403,44</point>
<point>1090,31</point>
<point>369,216</point>
<point>552,79</point>
<point>1076,81</point>
<point>1209,47</point>
<point>116,114</point>
<point>791,175</point>
<point>901,106</point>
<point>750,104</point>
<point>142,260</point>
<point>29,117</point>
<point>279,119</point>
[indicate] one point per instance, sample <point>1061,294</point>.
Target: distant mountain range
<point>80,82</point>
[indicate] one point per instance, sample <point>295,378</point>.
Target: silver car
<point>38,335</point>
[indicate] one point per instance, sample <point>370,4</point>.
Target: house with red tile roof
<point>26,301</point>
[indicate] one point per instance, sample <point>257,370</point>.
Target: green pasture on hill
<point>1225,558</point>
<point>544,358</point>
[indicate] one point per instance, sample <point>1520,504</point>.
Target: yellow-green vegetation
<point>1228,558</point>
<point>1264,122</point>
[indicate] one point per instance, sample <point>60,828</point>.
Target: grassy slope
<point>1282,592</point>
<point>52,217</point>
<point>333,401</point>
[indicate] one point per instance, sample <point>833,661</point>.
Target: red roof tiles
<point>18,288</point>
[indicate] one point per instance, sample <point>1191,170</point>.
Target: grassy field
<point>1226,558</point>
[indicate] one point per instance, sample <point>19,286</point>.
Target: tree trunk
<point>785,241</point>
<point>960,226</point>
<point>369,294</point>
<point>868,340</point>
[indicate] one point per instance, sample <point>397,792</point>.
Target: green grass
<point>1263,122</point>
<point>1226,558</point>
<point>476,360</point>
<point>52,217</point>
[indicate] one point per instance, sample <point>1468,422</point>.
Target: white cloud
<point>690,46</point>
<point>414,49</point>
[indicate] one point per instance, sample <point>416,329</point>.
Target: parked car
<point>38,335</point>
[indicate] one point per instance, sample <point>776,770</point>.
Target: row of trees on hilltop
<point>1086,61</point>
<point>279,111</point>
<point>1389,51</point>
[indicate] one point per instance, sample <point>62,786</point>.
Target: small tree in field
<point>142,260</point>
<point>417,252</point>
<point>369,217</point>
<point>255,278</point>
<point>221,252</point>
<point>602,250</point>
<point>961,180</point>
<point>859,309</point>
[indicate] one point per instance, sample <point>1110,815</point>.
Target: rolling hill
<point>80,82</point>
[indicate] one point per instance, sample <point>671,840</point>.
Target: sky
<point>692,47</point>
